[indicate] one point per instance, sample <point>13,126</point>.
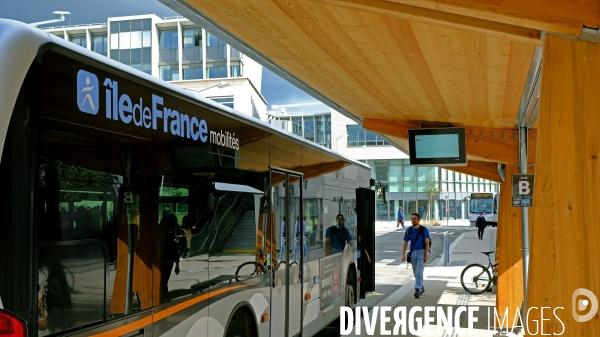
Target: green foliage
<point>431,190</point>
<point>74,181</point>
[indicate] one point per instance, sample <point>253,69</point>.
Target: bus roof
<point>22,44</point>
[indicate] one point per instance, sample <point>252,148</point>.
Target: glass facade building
<point>174,49</point>
<point>131,43</point>
<point>357,136</point>
<point>406,186</point>
<point>314,127</point>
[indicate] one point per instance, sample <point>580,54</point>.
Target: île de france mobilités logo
<point>87,92</point>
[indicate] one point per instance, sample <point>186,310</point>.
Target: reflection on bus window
<point>206,234</point>
<point>76,204</point>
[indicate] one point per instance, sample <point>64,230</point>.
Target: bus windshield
<point>481,205</point>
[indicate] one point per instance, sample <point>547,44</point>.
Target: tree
<point>431,190</point>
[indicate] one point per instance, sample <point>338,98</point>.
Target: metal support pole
<point>524,213</point>
<point>446,249</point>
<point>447,212</point>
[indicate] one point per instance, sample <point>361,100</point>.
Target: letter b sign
<point>522,190</point>
<point>524,187</point>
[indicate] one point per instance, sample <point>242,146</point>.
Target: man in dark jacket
<point>480,224</point>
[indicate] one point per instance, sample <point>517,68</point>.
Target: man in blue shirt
<point>336,237</point>
<point>400,218</point>
<point>419,246</point>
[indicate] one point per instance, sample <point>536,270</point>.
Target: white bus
<point>131,207</point>
<point>486,203</point>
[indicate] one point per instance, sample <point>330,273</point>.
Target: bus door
<point>286,290</point>
<point>365,214</point>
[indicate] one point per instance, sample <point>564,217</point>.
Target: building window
<point>327,131</point>
<point>168,45</point>
<point>297,126</point>
<point>193,73</point>
<point>309,128</point>
<point>215,47</point>
<point>130,43</point>
<point>168,73</point>
<point>216,71</point>
<point>226,101</point>
<point>192,44</point>
<point>358,136</point>
<point>236,69</point>
<point>79,40</point>
<point>100,44</point>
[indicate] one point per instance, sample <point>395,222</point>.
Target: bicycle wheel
<point>245,270</point>
<point>475,279</point>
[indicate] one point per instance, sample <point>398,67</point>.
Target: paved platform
<point>443,289</point>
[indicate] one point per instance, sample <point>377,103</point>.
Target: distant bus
<point>486,203</point>
<point>132,207</point>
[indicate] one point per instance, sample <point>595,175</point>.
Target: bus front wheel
<point>236,329</point>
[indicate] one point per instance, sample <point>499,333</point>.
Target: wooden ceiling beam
<point>494,144</point>
<point>412,12</point>
<point>558,16</point>
<point>481,169</point>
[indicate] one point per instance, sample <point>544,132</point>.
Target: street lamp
<point>61,19</point>
<point>219,85</point>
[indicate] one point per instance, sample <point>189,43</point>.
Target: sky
<point>275,89</point>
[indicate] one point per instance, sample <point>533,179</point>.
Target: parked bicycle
<point>253,267</point>
<point>477,279</point>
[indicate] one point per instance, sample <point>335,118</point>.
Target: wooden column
<point>508,251</point>
<point>564,226</point>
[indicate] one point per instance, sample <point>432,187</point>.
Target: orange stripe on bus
<point>181,306</point>
<point>125,329</point>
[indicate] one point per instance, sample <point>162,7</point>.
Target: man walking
<point>480,224</point>
<point>400,218</point>
<point>419,246</point>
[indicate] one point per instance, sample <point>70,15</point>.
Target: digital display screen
<point>437,146</point>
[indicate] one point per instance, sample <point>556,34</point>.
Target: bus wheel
<point>236,329</point>
<point>350,295</point>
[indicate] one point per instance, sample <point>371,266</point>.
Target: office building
<point>176,50</point>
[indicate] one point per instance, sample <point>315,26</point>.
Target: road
<point>390,272</point>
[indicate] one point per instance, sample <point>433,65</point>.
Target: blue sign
<point>87,92</point>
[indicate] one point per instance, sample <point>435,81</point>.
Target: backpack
<point>420,233</point>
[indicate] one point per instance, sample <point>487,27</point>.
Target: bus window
<point>496,204</point>
<point>77,233</point>
<point>71,278</point>
<point>184,213</point>
<point>77,203</point>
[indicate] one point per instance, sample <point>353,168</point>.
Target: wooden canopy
<point>463,63</point>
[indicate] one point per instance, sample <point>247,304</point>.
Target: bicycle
<point>253,267</point>
<point>477,279</point>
